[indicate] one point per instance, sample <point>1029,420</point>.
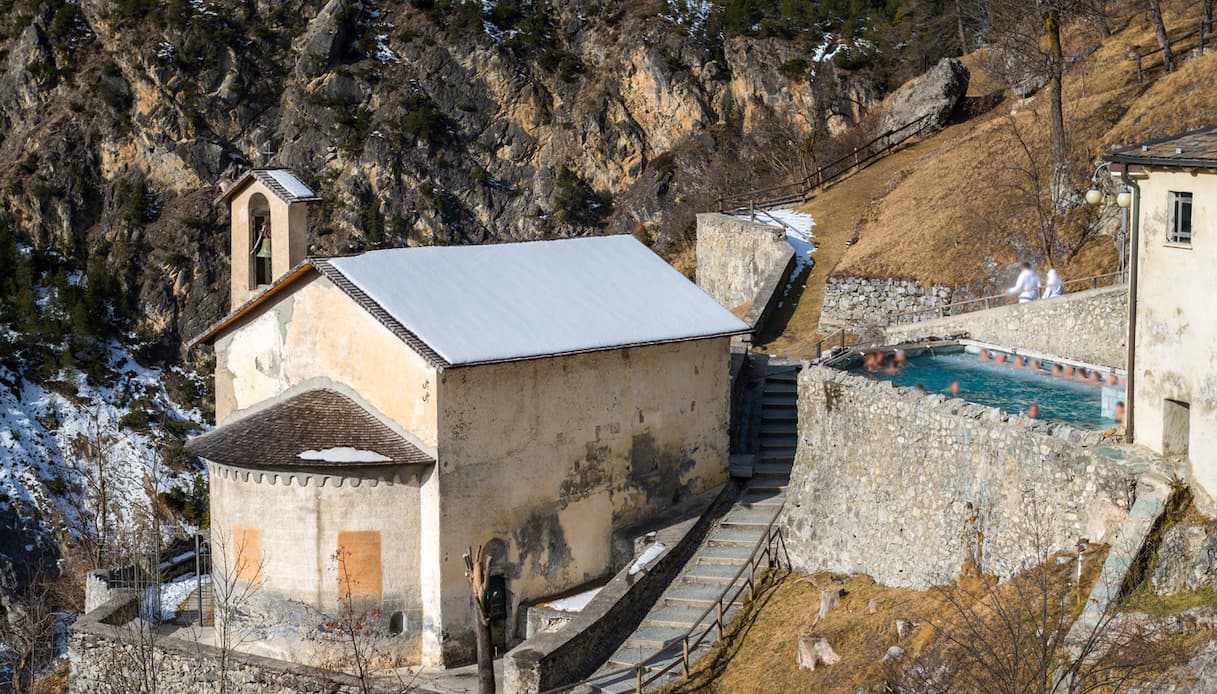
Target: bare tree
<point>234,587</point>
<point>28,631</point>
<point>1164,41</point>
<point>99,486</point>
<point>1020,635</point>
<point>477,568</point>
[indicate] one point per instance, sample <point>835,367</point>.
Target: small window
<point>1180,229</point>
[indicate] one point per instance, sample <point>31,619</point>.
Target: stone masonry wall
<point>735,256</point>
<point>1089,326</point>
<point>108,658</point>
<point>855,303</point>
<point>905,486</point>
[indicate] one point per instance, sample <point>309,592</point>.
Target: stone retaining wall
<point>110,658</point>
<point>855,303</point>
<point>1089,326</point>
<point>735,258</point>
<point>905,486</point>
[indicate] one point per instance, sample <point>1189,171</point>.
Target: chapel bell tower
<point>268,209</point>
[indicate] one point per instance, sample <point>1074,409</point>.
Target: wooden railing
<point>711,620</point>
<point>1138,56</point>
<point>800,190</point>
<point>835,338</point>
<point>986,302</point>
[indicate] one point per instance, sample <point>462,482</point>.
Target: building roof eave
<point>213,331</point>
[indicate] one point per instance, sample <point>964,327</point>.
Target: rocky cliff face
<point>421,122</point>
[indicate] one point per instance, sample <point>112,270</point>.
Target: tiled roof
<point>281,182</point>
<point>317,428</point>
<point>1194,148</point>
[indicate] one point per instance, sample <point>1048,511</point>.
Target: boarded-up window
<point>359,570</point>
<point>247,553</point>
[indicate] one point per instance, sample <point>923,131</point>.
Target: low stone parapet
<point>741,264</point>
<point>856,304</point>
<point>1090,326</point>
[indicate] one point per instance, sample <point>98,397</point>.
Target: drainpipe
<point>1134,213</point>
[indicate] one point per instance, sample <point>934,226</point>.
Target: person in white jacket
<point>1053,286</point>
<point>1028,285</point>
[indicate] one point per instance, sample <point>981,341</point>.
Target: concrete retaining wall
<point>1089,326</point>
<point>735,258</point>
<point>905,486</point>
<point>855,303</point>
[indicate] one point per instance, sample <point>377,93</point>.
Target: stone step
<point>676,615</point>
<point>779,407</point>
<point>758,499</point>
<point>725,554</point>
<point>652,637</point>
<point>779,388</point>
<point>628,657</point>
<point>713,573</point>
<point>773,430</point>
<point>748,516</point>
<point>737,534</point>
<point>784,447</point>
<point>693,594</point>
<point>768,420</point>
<point>791,377</point>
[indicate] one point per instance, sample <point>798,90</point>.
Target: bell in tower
<point>268,209</point>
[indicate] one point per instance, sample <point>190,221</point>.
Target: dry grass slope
<point>946,211</point>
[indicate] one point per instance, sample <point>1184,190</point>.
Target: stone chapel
<point>394,408</point>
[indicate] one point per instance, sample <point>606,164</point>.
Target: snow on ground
<point>177,590</point>
<point>798,227</point>
<point>648,555</point>
<point>46,431</point>
<point>574,603</point>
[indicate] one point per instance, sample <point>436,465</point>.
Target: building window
<point>1180,229</point>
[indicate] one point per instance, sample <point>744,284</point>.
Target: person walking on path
<point>1053,286</point>
<point>1028,285</point>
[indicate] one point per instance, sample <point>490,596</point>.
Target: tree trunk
<point>1056,70</point>
<point>1101,23</point>
<point>1208,17</point>
<point>477,566</point>
<point>1155,10</point>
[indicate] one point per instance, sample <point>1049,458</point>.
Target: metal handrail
<point>798,190</point>
<point>768,539</point>
<point>985,302</point>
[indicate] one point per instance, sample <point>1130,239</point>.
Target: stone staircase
<point>725,550</point>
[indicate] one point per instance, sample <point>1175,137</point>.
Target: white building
<point>1174,370</point>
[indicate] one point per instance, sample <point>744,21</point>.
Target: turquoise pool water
<point>1011,388</point>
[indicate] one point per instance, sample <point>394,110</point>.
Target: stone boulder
<point>1187,559</point>
<point>935,95</point>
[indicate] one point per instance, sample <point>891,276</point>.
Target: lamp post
<point>1129,199</point>
<point>1095,196</point>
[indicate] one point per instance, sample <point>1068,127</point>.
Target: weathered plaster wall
<point>856,303</point>
<point>290,522</point>
<point>904,486</point>
<point>547,457</point>
<point>1176,331</point>
<point>1089,326</point>
<point>735,256</point>
<point>317,334</point>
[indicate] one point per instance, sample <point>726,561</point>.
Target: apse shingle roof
<point>316,428</point>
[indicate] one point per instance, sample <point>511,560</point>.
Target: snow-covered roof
<point>281,182</point>
<point>480,304</point>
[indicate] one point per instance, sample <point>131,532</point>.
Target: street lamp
<point>1095,195</point>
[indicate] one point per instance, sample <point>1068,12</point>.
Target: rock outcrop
<point>933,96</point>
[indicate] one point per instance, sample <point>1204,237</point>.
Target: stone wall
<point>905,486</point>
<point>735,257</point>
<point>109,658</point>
<point>856,303</point>
<point>1089,326</point>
